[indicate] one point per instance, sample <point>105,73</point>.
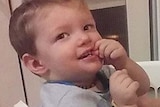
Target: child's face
<point>65,43</point>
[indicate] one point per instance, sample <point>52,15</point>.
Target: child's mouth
<point>86,54</point>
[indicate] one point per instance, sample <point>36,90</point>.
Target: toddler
<point>58,41</point>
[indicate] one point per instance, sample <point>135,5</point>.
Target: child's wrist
<point>120,66</point>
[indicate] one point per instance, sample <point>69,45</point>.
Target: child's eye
<point>88,27</point>
<point>62,35</point>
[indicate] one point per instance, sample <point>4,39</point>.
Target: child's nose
<point>84,39</point>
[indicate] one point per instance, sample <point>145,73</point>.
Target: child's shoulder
<point>68,96</point>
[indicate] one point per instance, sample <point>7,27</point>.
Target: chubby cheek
<point>57,63</point>
<point>96,37</point>
<point>63,57</point>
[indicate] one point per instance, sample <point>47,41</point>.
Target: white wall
<point>158,27</point>
<point>15,3</point>
<point>138,29</point>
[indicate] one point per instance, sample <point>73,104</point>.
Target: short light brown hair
<point>21,29</point>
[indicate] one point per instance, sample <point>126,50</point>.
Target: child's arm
<point>128,106</point>
<point>138,74</point>
<point>113,53</point>
<point>123,89</point>
<point>147,101</point>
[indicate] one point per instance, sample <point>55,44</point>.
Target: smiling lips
<point>87,54</point>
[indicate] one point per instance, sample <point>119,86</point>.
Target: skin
<point>63,40</point>
<point>114,54</point>
<point>123,89</point>
<point>64,44</point>
<point>147,101</point>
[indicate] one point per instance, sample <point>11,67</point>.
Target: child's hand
<point>123,88</point>
<point>112,52</point>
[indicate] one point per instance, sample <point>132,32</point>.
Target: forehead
<point>60,11</point>
<point>71,4</point>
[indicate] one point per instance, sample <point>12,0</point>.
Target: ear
<point>34,64</point>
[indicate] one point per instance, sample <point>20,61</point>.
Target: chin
<point>91,67</point>
<point>94,69</point>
